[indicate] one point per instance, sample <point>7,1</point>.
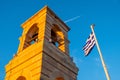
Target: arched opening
<point>59,78</point>
<point>31,36</point>
<point>57,38</point>
<point>21,78</point>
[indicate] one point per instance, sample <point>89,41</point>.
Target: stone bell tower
<point>43,52</point>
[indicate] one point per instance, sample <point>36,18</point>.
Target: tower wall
<point>43,52</point>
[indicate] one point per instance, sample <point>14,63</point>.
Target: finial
<point>92,25</point>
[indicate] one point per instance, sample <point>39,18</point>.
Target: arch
<point>31,36</point>
<point>58,75</point>
<point>59,78</point>
<point>21,78</point>
<point>23,74</point>
<point>57,37</point>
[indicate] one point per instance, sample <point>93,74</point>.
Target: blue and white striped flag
<point>90,42</point>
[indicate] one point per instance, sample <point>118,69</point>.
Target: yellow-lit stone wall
<point>27,62</point>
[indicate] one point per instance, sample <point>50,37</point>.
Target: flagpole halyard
<point>100,53</point>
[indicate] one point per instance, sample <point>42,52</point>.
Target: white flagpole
<point>100,53</point>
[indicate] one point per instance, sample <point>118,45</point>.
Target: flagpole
<point>100,53</point>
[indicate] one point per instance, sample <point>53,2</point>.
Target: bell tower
<point>43,52</point>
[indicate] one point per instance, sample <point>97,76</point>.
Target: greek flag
<point>90,42</point>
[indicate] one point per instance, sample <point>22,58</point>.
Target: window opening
<point>57,38</point>
<point>31,36</point>
<point>59,78</point>
<point>21,78</point>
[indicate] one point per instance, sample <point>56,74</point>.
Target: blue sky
<point>78,15</point>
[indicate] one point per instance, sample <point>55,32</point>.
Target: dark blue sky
<point>79,14</point>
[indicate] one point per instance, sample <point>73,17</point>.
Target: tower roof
<point>46,9</point>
